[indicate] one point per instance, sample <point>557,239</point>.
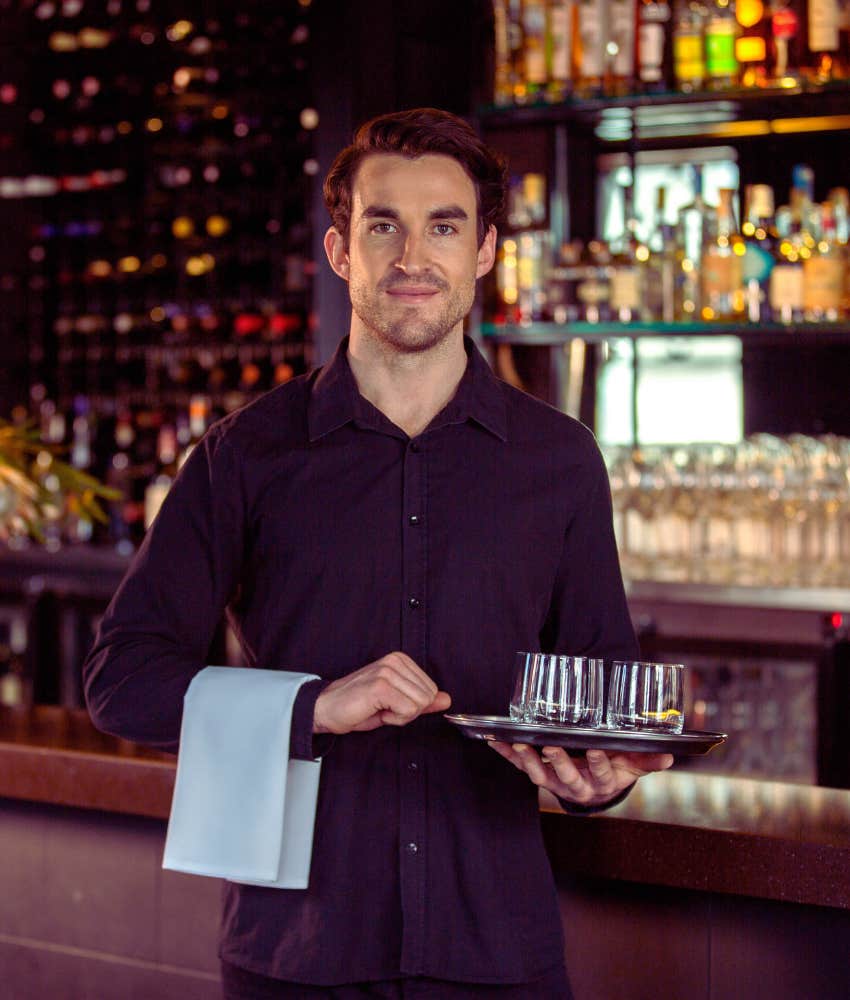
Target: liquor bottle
<point>759,235</point>
<point>722,296</point>
<point>843,64</point>
<point>562,305</point>
<point>823,39</point>
<point>620,48</point>
<point>786,278</point>
<point>503,69</point>
<point>158,487</point>
<point>654,52</point>
<point>689,46</point>
<point>560,32</point>
<point>593,290</point>
<point>753,45</point>
<point>662,265</point>
<point>589,50</point>
<point>824,273</point>
<point>787,28</point>
<point>627,298</point>
<point>691,234</point>
<point>534,49</point>
<point>721,31</point>
<point>840,199</point>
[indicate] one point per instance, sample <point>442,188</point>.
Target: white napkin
<point>241,809</point>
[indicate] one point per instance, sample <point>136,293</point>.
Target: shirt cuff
<point>304,744</point>
<point>575,809</point>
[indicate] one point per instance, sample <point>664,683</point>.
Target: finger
<point>400,665</point>
<point>643,763</point>
<point>389,679</point>
<point>528,760</point>
<point>601,771</point>
<point>571,782</point>
<point>441,703</point>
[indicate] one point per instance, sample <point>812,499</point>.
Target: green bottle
<point>721,31</point>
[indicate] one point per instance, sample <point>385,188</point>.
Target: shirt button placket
<point>412,802</point>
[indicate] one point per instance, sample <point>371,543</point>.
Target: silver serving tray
<point>500,727</point>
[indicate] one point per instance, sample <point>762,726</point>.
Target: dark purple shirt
<point>332,538</point>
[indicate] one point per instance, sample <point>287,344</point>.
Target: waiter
<point>399,523</point>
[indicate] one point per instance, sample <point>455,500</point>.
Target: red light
<point>836,619</point>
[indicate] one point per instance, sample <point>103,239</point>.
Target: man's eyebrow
<point>448,212</point>
<point>442,212</point>
<point>379,212</point>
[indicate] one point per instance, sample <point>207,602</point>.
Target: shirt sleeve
<point>588,613</point>
<point>156,633</point>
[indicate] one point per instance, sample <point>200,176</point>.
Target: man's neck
<point>409,389</point>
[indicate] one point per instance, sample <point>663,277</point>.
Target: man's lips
<point>412,291</point>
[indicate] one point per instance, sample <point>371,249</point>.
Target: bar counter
<point>767,840</point>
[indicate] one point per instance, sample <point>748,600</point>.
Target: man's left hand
<point>589,781</point>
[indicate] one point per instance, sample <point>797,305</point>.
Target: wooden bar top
<point>766,839</point>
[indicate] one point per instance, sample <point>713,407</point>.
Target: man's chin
<point>416,339</point>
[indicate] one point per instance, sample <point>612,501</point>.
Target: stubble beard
<point>404,328</point>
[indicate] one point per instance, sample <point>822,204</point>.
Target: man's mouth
<point>412,293</point>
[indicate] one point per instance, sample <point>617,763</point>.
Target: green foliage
<point>37,486</point>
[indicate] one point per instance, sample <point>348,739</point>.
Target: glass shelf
<point>773,334</point>
<point>727,114</point>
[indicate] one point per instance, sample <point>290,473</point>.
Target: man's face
<point>413,254</point>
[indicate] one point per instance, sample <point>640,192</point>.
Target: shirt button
<point>414,446</point>
<point>413,766</point>
<point>414,602</point>
<point>412,848</point>
<point>413,519</point>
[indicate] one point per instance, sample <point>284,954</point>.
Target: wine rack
<point>163,182</point>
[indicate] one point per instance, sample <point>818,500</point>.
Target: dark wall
<point>378,56</point>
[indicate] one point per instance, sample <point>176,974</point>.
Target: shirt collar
<point>335,399</point>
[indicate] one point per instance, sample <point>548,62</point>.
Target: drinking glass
<point>523,668</point>
<point>558,689</point>
<point>646,696</point>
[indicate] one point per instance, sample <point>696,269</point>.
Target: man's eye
<point>383,228</point>
<point>444,229</point>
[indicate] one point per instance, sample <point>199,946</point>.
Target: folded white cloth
<point>241,809</point>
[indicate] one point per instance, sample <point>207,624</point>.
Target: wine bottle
<point>158,487</point>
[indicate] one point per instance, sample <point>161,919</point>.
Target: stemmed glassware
<point>770,511</point>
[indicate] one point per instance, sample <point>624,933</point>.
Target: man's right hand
<point>392,691</point>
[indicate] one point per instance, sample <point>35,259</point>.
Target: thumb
<point>441,702</point>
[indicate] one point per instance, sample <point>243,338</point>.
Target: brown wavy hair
<point>412,134</point>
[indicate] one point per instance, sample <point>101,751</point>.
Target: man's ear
<point>337,254</point>
<point>486,253</point>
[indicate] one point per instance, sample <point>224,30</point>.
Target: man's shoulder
<point>277,417</point>
<point>532,419</point>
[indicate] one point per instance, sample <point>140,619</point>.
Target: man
<point>399,523</point>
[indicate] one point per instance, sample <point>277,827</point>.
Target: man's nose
<point>413,258</point>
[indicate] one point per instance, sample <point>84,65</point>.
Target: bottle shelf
<point>768,334</point>
<point>734,113</point>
